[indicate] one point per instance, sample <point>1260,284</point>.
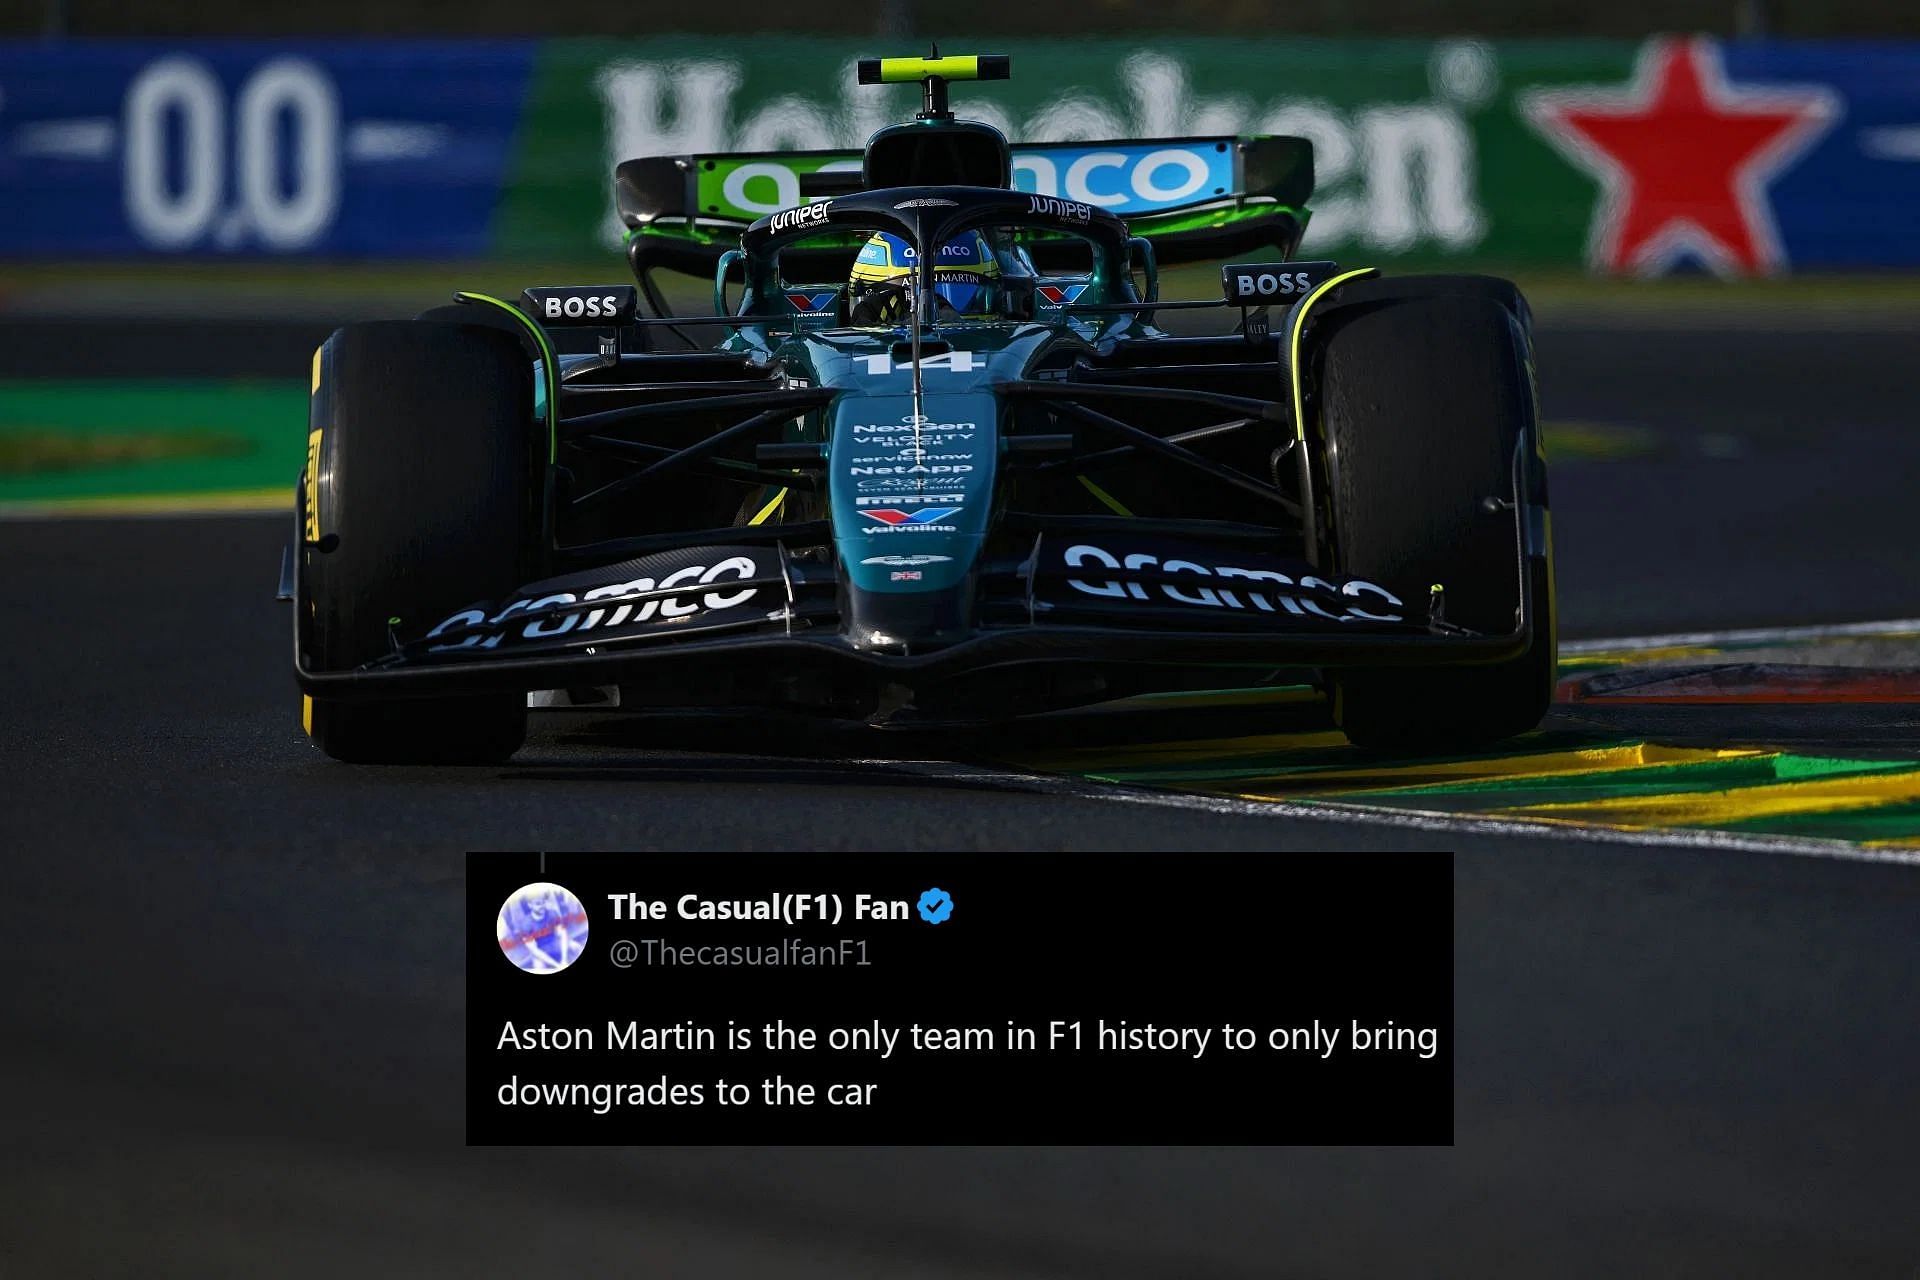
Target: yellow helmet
<point>963,275</point>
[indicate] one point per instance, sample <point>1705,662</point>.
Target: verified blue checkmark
<point>935,905</point>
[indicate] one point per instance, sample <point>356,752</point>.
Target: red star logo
<point>1684,158</point>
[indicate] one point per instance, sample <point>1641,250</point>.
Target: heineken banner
<point>1667,154</point>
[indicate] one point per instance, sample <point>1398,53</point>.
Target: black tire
<point>1402,288</point>
<point>422,484</point>
<point>1423,400</point>
<point>481,315</point>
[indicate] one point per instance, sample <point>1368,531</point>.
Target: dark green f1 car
<point>937,460</point>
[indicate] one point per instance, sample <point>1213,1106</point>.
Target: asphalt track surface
<point>237,1009</point>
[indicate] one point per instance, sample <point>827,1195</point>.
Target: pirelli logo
<point>313,485</point>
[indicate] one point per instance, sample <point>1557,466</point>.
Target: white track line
<point>1442,822</point>
<point>48,512</point>
<point>1752,635</point>
<point>1435,821</point>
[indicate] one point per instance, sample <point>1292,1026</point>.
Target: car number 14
<point>952,361</point>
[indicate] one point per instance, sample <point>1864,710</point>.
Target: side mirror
<point>1142,248</point>
<point>720,270</point>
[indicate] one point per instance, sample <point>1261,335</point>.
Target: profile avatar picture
<point>542,928</point>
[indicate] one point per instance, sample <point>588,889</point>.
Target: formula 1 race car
<point>938,462</point>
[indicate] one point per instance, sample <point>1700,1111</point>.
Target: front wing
<point>1090,592</point>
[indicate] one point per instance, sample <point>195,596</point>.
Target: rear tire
<point>1423,400</point>
<point>422,486</point>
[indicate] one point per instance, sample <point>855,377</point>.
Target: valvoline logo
<point>1128,177</point>
<point>808,303</point>
<point>926,515</point>
<point>1061,295</point>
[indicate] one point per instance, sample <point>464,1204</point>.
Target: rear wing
<point>1195,198</point>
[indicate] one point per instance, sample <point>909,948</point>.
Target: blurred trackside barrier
<point>1628,156</point>
<point>921,20</point>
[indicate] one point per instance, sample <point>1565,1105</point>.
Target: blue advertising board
<point>242,148</point>
<point>1127,178</point>
<point>1853,199</point>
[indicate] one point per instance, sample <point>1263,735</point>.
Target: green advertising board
<point>1423,149</point>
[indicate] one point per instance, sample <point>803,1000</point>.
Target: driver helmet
<point>963,275</point>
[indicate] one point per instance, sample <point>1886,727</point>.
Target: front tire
<point>419,501</point>
<point>1424,400</point>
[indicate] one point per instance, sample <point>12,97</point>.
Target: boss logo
<point>575,308</point>
<point>1254,283</point>
<point>603,305</point>
<point>1267,284</point>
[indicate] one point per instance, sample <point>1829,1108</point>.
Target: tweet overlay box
<point>947,998</point>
